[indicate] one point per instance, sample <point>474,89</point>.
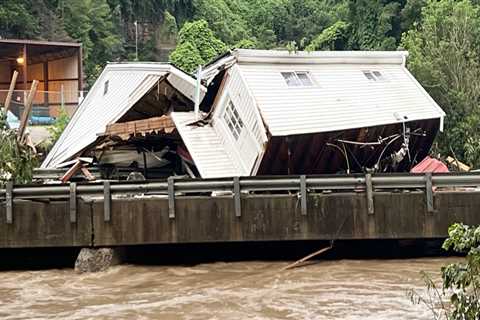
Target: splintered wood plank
<point>163,123</point>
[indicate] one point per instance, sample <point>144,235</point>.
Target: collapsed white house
<point>261,113</point>
<point>123,94</point>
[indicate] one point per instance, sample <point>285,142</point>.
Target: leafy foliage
<point>16,160</point>
<point>223,18</point>
<point>441,35</point>
<point>16,20</point>
<point>332,38</point>
<point>461,281</point>
<point>196,45</point>
<point>90,22</point>
<point>463,278</point>
<point>444,50</point>
<point>375,24</point>
<point>59,125</point>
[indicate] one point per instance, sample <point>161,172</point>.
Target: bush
<point>461,281</point>
<point>16,160</point>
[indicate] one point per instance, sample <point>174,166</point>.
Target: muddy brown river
<point>340,289</point>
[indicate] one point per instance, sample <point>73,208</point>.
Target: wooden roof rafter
<point>143,127</point>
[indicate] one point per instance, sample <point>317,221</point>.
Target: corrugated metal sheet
<point>342,97</point>
<point>429,164</point>
<point>127,83</point>
<point>205,147</point>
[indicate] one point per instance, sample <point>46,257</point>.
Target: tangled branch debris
<point>16,159</point>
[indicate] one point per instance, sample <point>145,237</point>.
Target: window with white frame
<point>233,120</point>
<point>374,75</point>
<point>297,78</point>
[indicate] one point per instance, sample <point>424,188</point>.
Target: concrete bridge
<point>239,209</point>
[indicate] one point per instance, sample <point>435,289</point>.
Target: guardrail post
<point>369,187</point>
<point>171,198</point>
<point>73,202</point>
<point>9,202</point>
<point>429,192</point>
<point>303,194</point>
<point>107,201</point>
<point>237,197</point>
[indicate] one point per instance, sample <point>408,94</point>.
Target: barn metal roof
<point>127,83</point>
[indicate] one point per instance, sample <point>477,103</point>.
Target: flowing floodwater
<point>338,289</point>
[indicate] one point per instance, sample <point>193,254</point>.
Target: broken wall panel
<point>322,153</point>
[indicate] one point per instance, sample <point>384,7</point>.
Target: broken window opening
<point>297,79</point>
<point>233,120</point>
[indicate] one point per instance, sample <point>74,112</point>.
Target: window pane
<point>378,75</point>
<point>238,130</point>
<point>304,78</point>
<point>235,113</point>
<point>233,120</point>
<point>230,125</point>
<point>291,79</point>
<point>369,75</point>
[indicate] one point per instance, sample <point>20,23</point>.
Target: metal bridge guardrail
<point>251,184</point>
<point>173,188</point>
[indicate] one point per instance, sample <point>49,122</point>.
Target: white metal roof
<point>205,147</point>
<point>341,97</point>
<point>127,83</point>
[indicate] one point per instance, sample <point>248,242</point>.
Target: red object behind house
<point>429,164</point>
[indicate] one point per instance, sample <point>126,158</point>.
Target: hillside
<point>442,37</point>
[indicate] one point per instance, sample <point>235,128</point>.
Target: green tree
<point>16,21</point>
<point>246,44</point>
<point>463,278</point>
<point>460,280</point>
<point>196,45</point>
<point>90,22</point>
<point>332,38</point>
<point>412,13</point>
<point>375,24</point>
<point>306,19</point>
<point>224,18</point>
<point>266,20</point>
<point>444,57</point>
<point>59,125</point>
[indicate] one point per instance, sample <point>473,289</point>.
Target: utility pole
<point>136,40</point>
<point>197,93</point>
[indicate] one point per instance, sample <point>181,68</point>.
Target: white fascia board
<point>441,113</point>
<point>320,57</point>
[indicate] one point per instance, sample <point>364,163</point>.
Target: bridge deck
<point>31,219</point>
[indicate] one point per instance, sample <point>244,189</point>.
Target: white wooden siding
<point>179,81</point>
<point>343,98</point>
<point>206,147</point>
<point>246,149</point>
